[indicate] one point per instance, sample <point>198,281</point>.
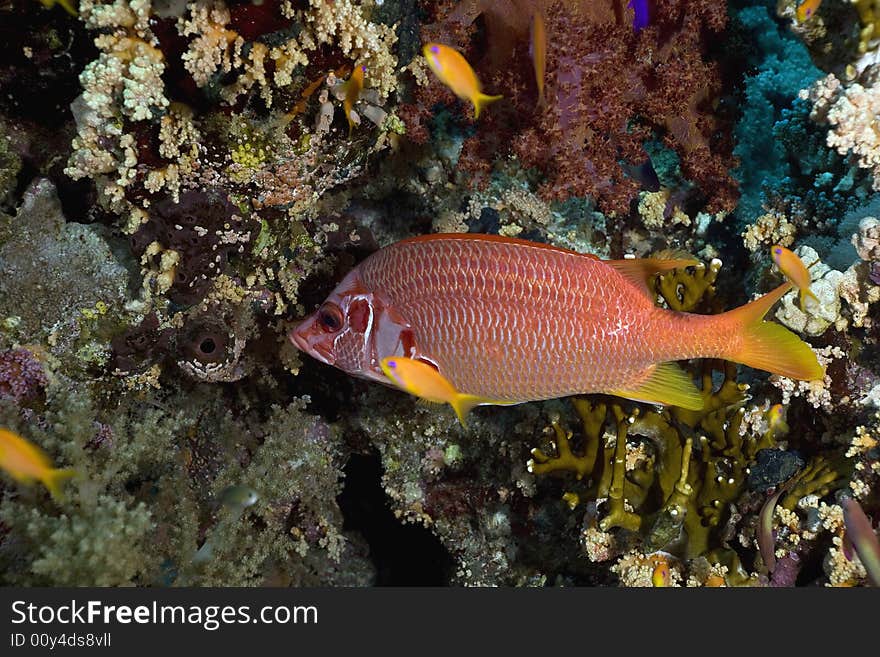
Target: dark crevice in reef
<point>404,555</point>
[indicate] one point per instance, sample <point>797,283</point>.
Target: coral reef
<point>181,181</point>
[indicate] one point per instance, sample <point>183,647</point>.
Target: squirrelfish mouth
<point>317,350</point>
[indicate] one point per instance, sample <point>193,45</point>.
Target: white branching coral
<point>851,112</point>
<point>216,48</point>
<point>817,392</point>
<point>770,228</point>
<point>124,83</point>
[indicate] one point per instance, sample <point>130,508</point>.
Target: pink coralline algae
<point>21,375</point>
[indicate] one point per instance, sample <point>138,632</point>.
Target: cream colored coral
<point>818,392</point>
<point>341,24</point>
<point>867,239</point>
<point>214,47</point>
<point>134,15</point>
<point>851,112</point>
<point>598,545</point>
<point>524,204</point>
<point>770,228</point>
<point>124,82</point>
<point>652,210</point>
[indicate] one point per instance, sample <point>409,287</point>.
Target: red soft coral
<point>608,88</point>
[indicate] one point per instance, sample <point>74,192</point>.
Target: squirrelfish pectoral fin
<point>669,385</point>
<point>641,270</point>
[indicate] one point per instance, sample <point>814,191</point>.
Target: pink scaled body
<point>511,321</point>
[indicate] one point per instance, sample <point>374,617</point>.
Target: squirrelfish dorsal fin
<point>669,385</point>
<point>640,271</point>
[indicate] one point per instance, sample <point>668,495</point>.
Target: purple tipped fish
<point>642,14</point>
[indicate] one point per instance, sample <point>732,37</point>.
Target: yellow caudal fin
<point>54,480</point>
<point>481,100</point>
<point>463,404</point>
<point>668,385</point>
<point>807,293</point>
<point>768,346</point>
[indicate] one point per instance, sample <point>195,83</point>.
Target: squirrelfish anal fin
<point>668,385</point>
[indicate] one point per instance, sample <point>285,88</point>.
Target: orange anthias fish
<point>424,381</point>
<point>453,70</point>
<point>793,269</point>
<point>807,9</point>
<point>776,420</point>
<point>353,89</point>
<point>539,53</point>
<point>27,463</point>
<point>509,321</point>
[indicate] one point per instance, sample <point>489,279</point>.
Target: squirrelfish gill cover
<point>509,321</point>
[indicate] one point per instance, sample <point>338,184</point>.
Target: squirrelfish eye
<point>330,317</point>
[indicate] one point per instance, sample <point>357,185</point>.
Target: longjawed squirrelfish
<point>509,321</point>
<point>794,269</point>
<point>27,463</point>
<point>454,71</point>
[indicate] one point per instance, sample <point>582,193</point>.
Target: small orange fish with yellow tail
<point>807,9</point>
<point>353,88</point>
<point>507,321</point>
<point>539,53</point>
<point>776,420</point>
<point>424,381</point>
<point>453,70</point>
<point>27,463</point>
<point>661,576</point>
<point>793,269</point>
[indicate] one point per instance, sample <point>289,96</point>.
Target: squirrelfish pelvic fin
<point>353,89</point>
<point>26,463</point>
<point>424,381</point>
<point>539,53</point>
<point>454,71</point>
<point>807,9</point>
<point>793,268</point>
